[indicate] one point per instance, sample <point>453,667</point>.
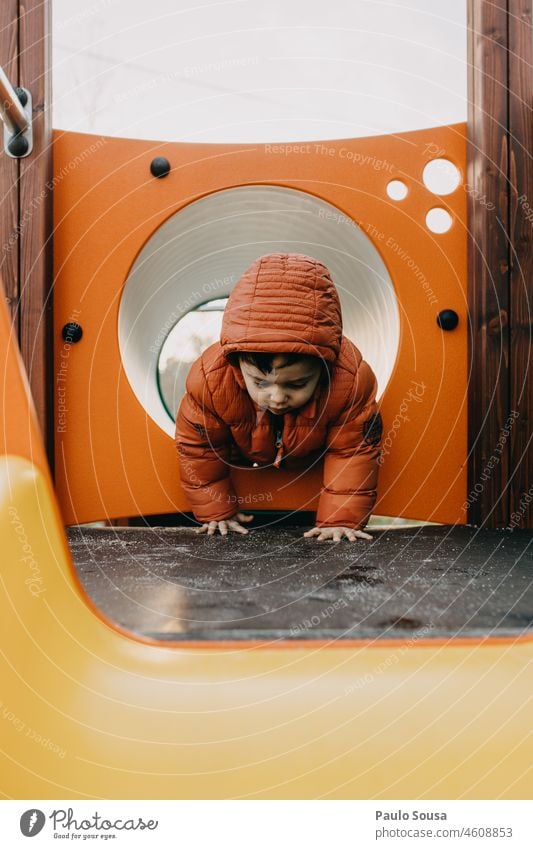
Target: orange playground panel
<point>112,459</point>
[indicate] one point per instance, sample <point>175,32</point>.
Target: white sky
<point>257,70</point>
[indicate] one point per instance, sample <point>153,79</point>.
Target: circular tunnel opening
<point>187,340</point>
<point>187,269</point>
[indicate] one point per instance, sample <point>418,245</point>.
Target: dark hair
<point>262,360</point>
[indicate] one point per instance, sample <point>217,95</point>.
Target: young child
<point>283,383</point>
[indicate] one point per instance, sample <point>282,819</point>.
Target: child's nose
<point>277,394</point>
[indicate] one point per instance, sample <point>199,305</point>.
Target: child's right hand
<point>233,524</point>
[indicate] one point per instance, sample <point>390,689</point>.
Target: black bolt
<point>18,146</point>
<point>447,320</point>
<point>160,166</point>
<point>72,332</point>
<point>22,96</point>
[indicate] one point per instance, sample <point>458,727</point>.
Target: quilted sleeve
<point>351,462</point>
<point>203,443</point>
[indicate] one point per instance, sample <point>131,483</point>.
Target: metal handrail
<point>11,109</point>
<point>15,112</point>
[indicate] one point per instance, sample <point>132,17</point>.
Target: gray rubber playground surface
<point>173,584</point>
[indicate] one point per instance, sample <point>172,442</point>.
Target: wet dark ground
<point>173,584</point>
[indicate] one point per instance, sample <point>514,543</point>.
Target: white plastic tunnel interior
<point>195,258</point>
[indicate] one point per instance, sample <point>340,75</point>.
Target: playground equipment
<point>89,710</point>
<point>134,252</point>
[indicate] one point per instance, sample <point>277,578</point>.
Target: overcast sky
<point>253,71</point>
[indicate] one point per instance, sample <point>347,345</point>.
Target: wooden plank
<point>521,297</point>
<point>488,295</point>
<point>9,168</point>
<point>36,213</point>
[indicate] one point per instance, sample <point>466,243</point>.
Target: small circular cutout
<point>441,176</point>
<point>397,190</point>
<point>438,220</point>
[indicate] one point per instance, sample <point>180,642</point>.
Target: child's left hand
<point>336,534</point>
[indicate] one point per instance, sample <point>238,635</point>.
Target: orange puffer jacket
<point>282,303</point>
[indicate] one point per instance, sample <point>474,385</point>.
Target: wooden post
<point>9,169</point>
<point>36,269</point>
<point>26,220</point>
<point>488,271</point>
<point>521,281</point>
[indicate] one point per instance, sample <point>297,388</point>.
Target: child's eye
<point>263,383</point>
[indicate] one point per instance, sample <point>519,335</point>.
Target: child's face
<point>286,387</point>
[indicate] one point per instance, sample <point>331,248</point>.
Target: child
<point>282,383</point>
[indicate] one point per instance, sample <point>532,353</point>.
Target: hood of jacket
<point>284,302</point>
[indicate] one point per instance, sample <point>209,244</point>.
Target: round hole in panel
<point>438,220</point>
<point>397,190</point>
<point>441,176</point>
<point>193,260</point>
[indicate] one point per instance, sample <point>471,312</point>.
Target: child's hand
<point>336,534</point>
<point>232,523</point>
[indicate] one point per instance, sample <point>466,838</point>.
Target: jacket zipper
<point>279,446</point>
